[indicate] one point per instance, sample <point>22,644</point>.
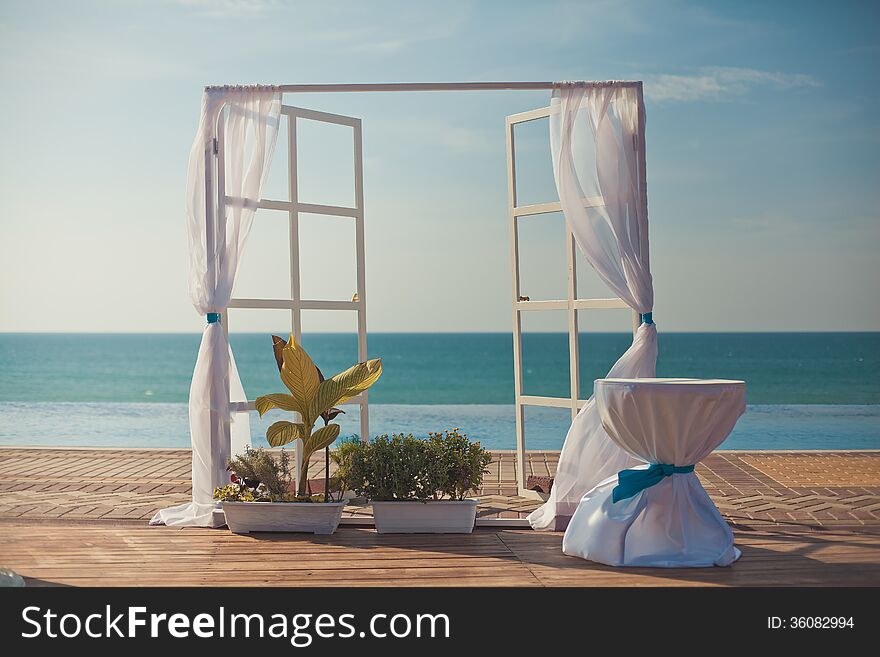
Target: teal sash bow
<point>213,318</point>
<point>631,482</point>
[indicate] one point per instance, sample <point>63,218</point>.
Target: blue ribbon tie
<point>632,482</point>
<point>213,318</point>
<point>647,318</point>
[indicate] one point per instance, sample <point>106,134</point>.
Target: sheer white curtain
<point>596,150</point>
<point>218,224</point>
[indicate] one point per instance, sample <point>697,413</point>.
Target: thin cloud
<point>721,83</point>
<point>77,57</point>
<point>868,49</point>
<point>226,8</point>
<point>783,227</point>
<point>435,133</point>
<point>378,40</point>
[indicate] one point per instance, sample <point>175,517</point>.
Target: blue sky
<point>762,138</point>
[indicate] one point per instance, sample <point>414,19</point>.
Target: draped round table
<point>659,514</point>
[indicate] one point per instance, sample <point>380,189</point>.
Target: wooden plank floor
<point>98,553</point>
<point>77,517</point>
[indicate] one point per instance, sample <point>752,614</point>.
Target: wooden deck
<point>77,517</point>
<point>96,553</point>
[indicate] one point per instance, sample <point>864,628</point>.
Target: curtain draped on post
<point>595,144</point>
<point>250,118</point>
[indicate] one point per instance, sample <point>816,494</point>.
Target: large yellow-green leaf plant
<point>313,397</point>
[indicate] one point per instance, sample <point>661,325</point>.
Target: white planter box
<point>433,517</point>
<point>312,517</point>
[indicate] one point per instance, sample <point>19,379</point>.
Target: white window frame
<point>572,304</point>
<point>294,207</point>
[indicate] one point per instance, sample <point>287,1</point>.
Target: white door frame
<point>572,304</point>
<point>296,304</point>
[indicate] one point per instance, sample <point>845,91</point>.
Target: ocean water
<point>804,390</point>
<point>165,424</point>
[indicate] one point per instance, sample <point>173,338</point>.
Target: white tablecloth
<point>673,523</point>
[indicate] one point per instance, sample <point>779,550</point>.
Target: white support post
<point>517,318</point>
<point>226,432</point>
<point>293,229</point>
<point>642,154</point>
<point>215,229</point>
<point>222,441</point>
<point>574,371</point>
<point>295,286</point>
<point>210,251</point>
<point>361,268</point>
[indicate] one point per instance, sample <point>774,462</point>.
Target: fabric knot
<point>633,482</point>
<point>647,318</point>
<point>213,318</point>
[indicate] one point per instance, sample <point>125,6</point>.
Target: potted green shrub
<point>260,496</point>
<point>417,485</point>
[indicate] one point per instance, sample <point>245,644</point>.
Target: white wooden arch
<point>295,304</point>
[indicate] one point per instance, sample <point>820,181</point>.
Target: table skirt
<point>672,524</point>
